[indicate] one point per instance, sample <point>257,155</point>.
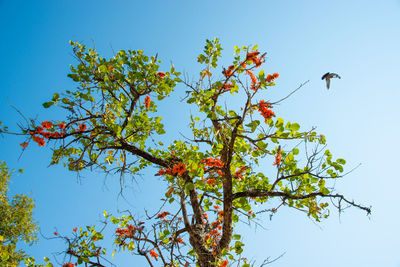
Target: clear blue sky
<point>360,40</point>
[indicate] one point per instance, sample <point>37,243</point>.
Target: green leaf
<point>47,104</point>
<point>294,127</point>
<point>131,246</point>
<point>341,161</point>
<point>103,69</point>
<point>290,157</point>
<point>279,122</point>
<point>236,237</point>
<point>190,186</point>
<point>56,96</point>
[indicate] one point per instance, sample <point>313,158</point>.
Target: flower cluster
<point>225,87</point>
<point>129,231</point>
<point>239,172</point>
<point>224,263</point>
<point>153,254</point>
<point>211,181</point>
<point>147,102</point>
<point>228,72</point>
<point>161,74</point>
<point>213,165</point>
<point>253,78</point>
<point>278,157</point>
<point>47,125</point>
<point>177,169</point>
<point>211,162</point>
<point>270,78</point>
<point>162,215</point>
<point>264,108</point>
<point>253,57</point>
<point>82,127</point>
<point>178,240</point>
<point>24,144</point>
<point>68,264</point>
<point>214,232</point>
<point>39,131</point>
<point>39,134</point>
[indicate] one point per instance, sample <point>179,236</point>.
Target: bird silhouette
<point>328,76</point>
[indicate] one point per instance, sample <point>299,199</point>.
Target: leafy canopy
<point>241,162</point>
<point>16,222</point>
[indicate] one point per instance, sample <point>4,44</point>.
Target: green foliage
<point>16,222</point>
<point>235,163</point>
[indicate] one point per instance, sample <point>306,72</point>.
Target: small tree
<point>214,178</point>
<point>16,223</point>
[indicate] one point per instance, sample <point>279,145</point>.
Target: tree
<point>214,178</point>
<point>16,222</point>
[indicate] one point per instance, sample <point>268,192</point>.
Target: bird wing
<point>324,76</point>
<point>334,75</point>
<point>328,82</point>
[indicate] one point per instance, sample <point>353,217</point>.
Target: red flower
<point>147,102</point>
<point>263,107</point>
<point>82,127</point>
<point>162,215</point>
<point>253,57</point>
<point>179,168</point>
<point>211,181</point>
<point>227,73</point>
<point>55,135</point>
<point>47,124</point>
<point>238,173</point>
<point>226,87</point>
<point>46,135</point>
<point>55,233</point>
<point>253,80</point>
<point>161,74</point>
<point>221,213</point>
<point>211,162</point>
<point>39,140</point>
<point>75,229</point>
<point>153,254</point>
<point>162,172</point>
<point>271,78</point>
<point>39,130</point>
<point>68,264</point>
<point>128,232</point>
<point>224,263</point>
<point>278,157</point>
<point>24,144</point>
<point>61,125</point>
<point>179,240</point>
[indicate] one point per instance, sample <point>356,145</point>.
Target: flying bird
<point>328,76</point>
